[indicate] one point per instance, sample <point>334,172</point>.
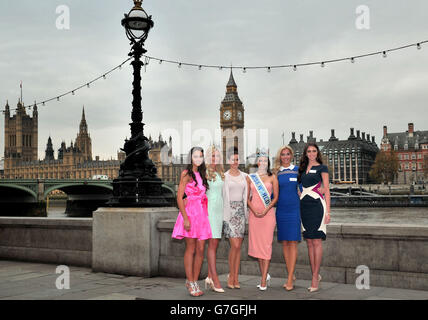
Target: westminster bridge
<point>30,197</point>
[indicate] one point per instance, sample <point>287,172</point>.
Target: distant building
<point>74,161</point>
<point>232,121</point>
<point>169,168</point>
<point>20,136</point>
<point>411,147</point>
<point>2,169</point>
<point>349,160</point>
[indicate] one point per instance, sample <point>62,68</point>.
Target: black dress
<point>312,204</point>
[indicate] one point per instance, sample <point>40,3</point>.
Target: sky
<point>365,95</point>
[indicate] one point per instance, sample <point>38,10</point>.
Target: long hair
<point>219,168</point>
<point>268,167</point>
<point>277,163</point>
<point>304,161</point>
<point>202,169</point>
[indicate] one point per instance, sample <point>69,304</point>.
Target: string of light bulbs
<point>294,66</point>
<point>322,63</point>
<point>73,91</point>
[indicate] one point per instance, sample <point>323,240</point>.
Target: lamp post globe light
<point>138,184</point>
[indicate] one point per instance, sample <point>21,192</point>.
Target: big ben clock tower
<point>232,121</point>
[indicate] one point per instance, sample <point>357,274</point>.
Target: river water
<point>418,216</point>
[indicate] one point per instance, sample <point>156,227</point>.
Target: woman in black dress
<point>314,206</point>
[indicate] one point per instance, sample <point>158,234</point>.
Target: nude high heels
<point>230,286</point>
<point>313,289</point>
<point>209,282</point>
<point>289,288</point>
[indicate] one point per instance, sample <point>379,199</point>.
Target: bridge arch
<point>21,188</point>
<point>62,186</point>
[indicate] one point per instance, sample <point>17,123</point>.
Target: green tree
<point>385,167</point>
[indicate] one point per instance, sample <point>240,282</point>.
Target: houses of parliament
<point>76,161</point>
<point>73,162</point>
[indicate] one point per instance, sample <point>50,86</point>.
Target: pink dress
<point>197,212</point>
<point>260,230</point>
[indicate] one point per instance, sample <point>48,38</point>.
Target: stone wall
<point>57,241</point>
<point>397,256</point>
<point>127,240</point>
<point>138,242</point>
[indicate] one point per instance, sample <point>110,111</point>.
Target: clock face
<point>239,115</point>
<point>227,115</point>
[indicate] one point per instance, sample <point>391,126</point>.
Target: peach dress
<point>260,230</point>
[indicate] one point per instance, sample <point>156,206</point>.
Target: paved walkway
<point>29,281</point>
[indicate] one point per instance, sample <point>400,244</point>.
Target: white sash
<point>310,192</point>
<point>261,189</point>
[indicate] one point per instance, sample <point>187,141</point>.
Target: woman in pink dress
<point>192,222</point>
<point>262,219</point>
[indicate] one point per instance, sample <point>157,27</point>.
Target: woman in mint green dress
<point>215,178</point>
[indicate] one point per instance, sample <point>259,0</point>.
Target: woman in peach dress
<point>262,220</point>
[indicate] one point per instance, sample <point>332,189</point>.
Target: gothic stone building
<point>232,121</point>
<point>169,168</point>
<point>349,160</point>
<point>73,162</point>
<point>412,148</point>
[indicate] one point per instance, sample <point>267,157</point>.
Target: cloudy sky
<point>366,95</point>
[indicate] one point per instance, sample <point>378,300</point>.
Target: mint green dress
<point>215,206</point>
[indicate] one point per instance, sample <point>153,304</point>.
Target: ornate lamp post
<point>138,184</point>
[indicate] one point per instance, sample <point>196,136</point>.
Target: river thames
<point>393,215</point>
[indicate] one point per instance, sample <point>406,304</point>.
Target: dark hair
<point>268,167</point>
<point>232,151</point>
<point>202,169</point>
<point>304,161</point>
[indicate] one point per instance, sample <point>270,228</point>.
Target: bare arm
<point>275,194</point>
<point>326,187</point>
<point>184,179</point>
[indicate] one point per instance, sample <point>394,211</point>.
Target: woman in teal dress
<point>215,178</point>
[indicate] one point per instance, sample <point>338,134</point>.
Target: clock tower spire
<point>232,120</point>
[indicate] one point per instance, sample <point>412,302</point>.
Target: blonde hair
<point>277,163</point>
<point>211,176</point>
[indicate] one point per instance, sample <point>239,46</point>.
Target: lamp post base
<point>137,184</point>
<point>140,192</point>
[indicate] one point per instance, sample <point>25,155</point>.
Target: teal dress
<point>215,206</point>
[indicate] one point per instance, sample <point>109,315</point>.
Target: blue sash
<point>261,189</point>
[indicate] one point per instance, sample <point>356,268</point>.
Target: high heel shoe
<point>207,282</point>
<point>198,290</point>
<point>313,289</point>
<point>267,283</point>
<point>219,290</point>
<point>190,285</point>
<point>230,286</point>
<point>287,287</point>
